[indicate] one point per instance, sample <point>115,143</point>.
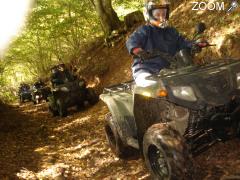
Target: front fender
<point>149,111</point>
<point>120,104</point>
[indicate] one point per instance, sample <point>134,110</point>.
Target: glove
<point>140,53</point>
<point>198,45</point>
<point>202,44</point>
<point>196,49</point>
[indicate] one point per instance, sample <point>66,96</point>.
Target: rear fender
<point>120,104</point>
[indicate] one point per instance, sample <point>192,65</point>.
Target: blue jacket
<point>150,38</point>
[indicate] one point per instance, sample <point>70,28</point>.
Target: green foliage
<point>123,7</point>
<point>55,31</point>
<point>7,96</point>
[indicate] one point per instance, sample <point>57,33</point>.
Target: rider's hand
<point>202,43</point>
<point>196,49</point>
<point>140,53</point>
<point>198,45</point>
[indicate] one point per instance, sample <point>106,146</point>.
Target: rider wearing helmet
<point>60,75</point>
<point>39,84</point>
<point>56,76</point>
<point>68,76</point>
<point>157,12</point>
<point>155,35</point>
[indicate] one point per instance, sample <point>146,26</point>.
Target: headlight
<point>147,94</point>
<point>184,92</point>
<point>238,80</point>
<point>155,91</point>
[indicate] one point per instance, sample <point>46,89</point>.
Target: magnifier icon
<point>234,5</point>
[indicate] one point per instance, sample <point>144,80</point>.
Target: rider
<point>38,84</point>
<point>155,35</point>
<point>66,73</point>
<point>56,76</point>
<point>60,75</point>
<point>23,87</point>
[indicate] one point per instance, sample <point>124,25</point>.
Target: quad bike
<point>25,94</point>
<point>185,110</point>
<point>68,95</point>
<point>40,94</point>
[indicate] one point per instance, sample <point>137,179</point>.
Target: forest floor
<point>35,145</point>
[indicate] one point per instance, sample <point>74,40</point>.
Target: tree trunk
<point>108,17</point>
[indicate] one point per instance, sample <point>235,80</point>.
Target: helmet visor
<point>160,14</point>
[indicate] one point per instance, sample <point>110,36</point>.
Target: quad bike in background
<point>184,111</point>
<point>69,94</point>
<point>40,93</point>
<point>24,93</point>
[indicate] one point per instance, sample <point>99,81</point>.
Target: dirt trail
<point>35,145</point>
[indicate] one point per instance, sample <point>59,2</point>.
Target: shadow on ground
<point>20,135</point>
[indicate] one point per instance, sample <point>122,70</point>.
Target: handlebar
<point>212,45</point>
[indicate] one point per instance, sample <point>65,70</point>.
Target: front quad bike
<point>68,95</point>
<point>182,113</point>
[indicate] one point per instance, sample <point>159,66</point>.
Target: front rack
<point>125,86</point>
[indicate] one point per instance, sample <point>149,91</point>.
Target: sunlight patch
<point>219,36</point>
<point>26,174</point>
<point>94,83</point>
<point>42,149</point>
<point>12,16</point>
<point>54,171</point>
<point>73,123</point>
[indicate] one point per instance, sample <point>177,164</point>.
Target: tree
<point>108,17</point>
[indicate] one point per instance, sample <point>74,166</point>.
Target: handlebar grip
<point>212,45</point>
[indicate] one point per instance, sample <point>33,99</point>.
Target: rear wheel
<point>166,154</point>
<point>62,110</point>
<point>92,97</point>
<point>115,142</point>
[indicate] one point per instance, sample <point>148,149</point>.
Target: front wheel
<point>92,97</point>
<point>166,154</point>
<point>115,142</point>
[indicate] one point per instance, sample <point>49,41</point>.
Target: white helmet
<point>156,12</point>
